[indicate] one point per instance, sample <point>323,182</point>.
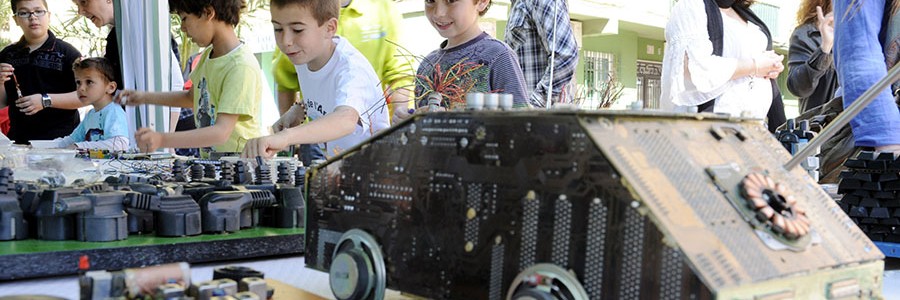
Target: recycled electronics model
<point>580,205</point>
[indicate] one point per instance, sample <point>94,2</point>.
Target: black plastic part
<point>262,173</point>
<point>196,172</point>
<point>12,220</point>
<point>177,215</point>
<point>230,211</point>
<point>236,273</point>
<point>178,171</point>
<point>241,175</point>
<point>284,173</point>
<point>227,172</point>
<point>139,220</point>
<point>209,171</point>
<point>289,212</point>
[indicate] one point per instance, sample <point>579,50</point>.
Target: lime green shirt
<point>229,84</point>
<point>371,27</point>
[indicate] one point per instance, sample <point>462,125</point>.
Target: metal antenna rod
<point>552,58</point>
<point>845,117</point>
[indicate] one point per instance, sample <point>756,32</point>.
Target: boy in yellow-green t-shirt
<point>227,84</point>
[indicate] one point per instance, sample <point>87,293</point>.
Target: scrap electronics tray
<point>38,258</point>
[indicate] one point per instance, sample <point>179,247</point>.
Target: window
<point>598,69</point>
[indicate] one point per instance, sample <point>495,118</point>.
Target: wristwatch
<point>45,100</point>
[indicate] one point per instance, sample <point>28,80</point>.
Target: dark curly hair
<point>228,11</point>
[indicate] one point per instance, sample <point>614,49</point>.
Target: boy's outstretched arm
<point>32,104</point>
<point>174,99</point>
<point>148,140</point>
<point>339,123</point>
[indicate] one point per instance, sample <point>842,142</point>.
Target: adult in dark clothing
<point>102,13</point>
<point>36,73</point>
<point>812,76</point>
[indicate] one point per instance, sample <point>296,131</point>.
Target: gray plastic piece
<point>12,221</point>
<point>51,226</point>
<point>254,285</point>
<point>100,217</point>
<point>175,215</point>
<point>230,211</point>
<point>208,289</point>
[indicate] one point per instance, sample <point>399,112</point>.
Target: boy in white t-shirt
<point>342,94</point>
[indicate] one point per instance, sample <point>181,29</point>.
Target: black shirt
<point>113,57</point>
<point>45,70</point>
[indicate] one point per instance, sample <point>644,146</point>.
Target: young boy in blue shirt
<point>105,126</point>
<point>341,91</point>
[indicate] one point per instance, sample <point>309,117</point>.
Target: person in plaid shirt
<point>530,33</point>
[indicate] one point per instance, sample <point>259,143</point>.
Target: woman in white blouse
<point>718,58</point>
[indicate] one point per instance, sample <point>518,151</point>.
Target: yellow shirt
<point>229,84</point>
<point>371,27</point>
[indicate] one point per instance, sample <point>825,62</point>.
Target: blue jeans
<point>859,61</point>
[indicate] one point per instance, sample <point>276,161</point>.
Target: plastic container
<point>43,144</point>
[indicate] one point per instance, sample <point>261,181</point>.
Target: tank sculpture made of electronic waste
<point>580,205</point>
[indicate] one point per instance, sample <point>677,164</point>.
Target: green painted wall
<point>624,46</point>
<point>656,48</point>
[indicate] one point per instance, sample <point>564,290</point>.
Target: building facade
<point>621,41</point>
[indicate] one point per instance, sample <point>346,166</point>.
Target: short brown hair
<point>228,11</point>
<point>322,10</point>
<point>15,3</point>
<point>807,11</point>
<point>95,63</point>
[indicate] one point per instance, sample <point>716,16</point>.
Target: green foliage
<point>186,48</point>
<point>5,21</point>
<point>81,29</point>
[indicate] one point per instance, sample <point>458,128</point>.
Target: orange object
<point>84,263</point>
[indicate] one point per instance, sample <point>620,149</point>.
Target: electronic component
<point>579,205</point>
<point>133,283</point>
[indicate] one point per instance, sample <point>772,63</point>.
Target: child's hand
<point>400,114</point>
<point>293,117</point>
<point>129,97</point>
<point>266,147</point>
<point>30,104</point>
<point>147,140</point>
<point>6,72</point>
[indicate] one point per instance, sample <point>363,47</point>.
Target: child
<point>341,91</point>
<point>488,65</point>
<point>105,126</point>
<point>36,76</point>
<point>226,84</point>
